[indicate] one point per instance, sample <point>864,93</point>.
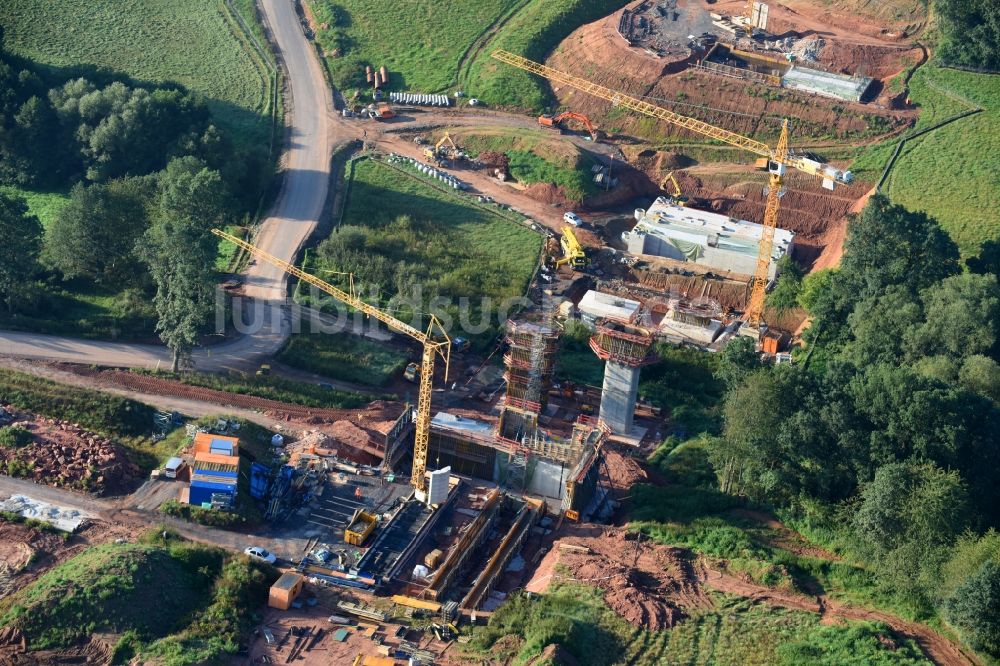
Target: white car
<point>261,554</point>
<point>572,218</point>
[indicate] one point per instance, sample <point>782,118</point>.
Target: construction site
<point>692,132</point>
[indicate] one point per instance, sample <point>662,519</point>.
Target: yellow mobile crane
<point>778,158</point>
<point>435,342</point>
<point>573,252</point>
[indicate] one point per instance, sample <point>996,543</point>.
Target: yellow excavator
<point>435,342</point>
<point>439,151</point>
<point>677,196</point>
<point>573,252</point>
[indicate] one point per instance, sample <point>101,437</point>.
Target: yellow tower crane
<point>435,343</point>
<point>778,159</point>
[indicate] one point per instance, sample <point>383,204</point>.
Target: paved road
<point>294,216</point>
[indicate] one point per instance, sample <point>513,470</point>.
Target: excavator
<point>439,151</point>
<point>677,197</point>
<point>779,159</point>
<point>435,342</point>
<point>548,120</point>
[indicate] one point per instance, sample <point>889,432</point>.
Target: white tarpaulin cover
<point>61,517</point>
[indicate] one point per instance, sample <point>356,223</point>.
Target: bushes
<point>857,643</point>
<point>92,410</point>
<point>344,357</point>
<point>217,631</point>
<point>273,388</point>
<point>226,520</point>
<point>14,437</point>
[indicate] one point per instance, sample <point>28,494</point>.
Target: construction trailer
<point>285,590</point>
<point>215,471</point>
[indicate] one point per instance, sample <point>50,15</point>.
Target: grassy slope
<point>736,632</point>
<point>951,173</point>
<point>482,241</point>
<point>533,32</point>
<point>535,158</point>
<point>108,588</point>
<point>344,357</point>
<point>187,41</point>
<point>420,43</point>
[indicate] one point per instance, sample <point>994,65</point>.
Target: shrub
<point>14,437</point>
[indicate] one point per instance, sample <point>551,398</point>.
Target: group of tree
<point>890,427</point>
<point>970,32</point>
<point>148,175</point>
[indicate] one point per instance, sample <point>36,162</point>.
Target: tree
<point>970,31</point>
<point>188,188</point>
<point>879,325</point>
<point>962,315</point>
<point>95,235</point>
<point>181,256</point>
<point>909,515</point>
<point>20,247</point>
<point>738,360</point>
<point>975,608</point>
<point>785,294</point>
<point>889,245</point>
<point>982,375</point>
<point>181,251</point>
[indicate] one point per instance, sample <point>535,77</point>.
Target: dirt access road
<point>122,513</point>
<point>310,137</point>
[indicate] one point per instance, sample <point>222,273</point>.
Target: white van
<point>572,218</point>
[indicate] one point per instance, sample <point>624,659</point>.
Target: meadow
<point>191,42</point>
<point>422,46</point>
<point>952,172</point>
<point>445,46</point>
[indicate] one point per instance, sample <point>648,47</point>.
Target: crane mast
<point>778,159</point>
<point>435,342</point>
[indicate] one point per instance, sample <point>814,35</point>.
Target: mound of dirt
<point>554,655</point>
<point>666,161</point>
<point>647,584</point>
<point>623,471</point>
<point>550,194</point>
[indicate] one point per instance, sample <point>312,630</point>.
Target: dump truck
<point>360,528</point>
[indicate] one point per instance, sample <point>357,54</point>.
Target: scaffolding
<point>622,343</point>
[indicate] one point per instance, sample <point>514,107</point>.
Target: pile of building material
<point>417,99</point>
<point>428,170</point>
<point>65,455</point>
<point>60,517</point>
<point>807,49</point>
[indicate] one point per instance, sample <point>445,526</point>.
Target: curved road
<point>309,146</point>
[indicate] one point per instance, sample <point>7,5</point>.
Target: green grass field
<point>345,357</point>
<point>192,42</point>
<point>537,28</point>
<point>43,205</point>
<point>401,231</point>
<point>433,46</point>
<point>421,43</point>
<point>736,632</point>
<point>951,173</point>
